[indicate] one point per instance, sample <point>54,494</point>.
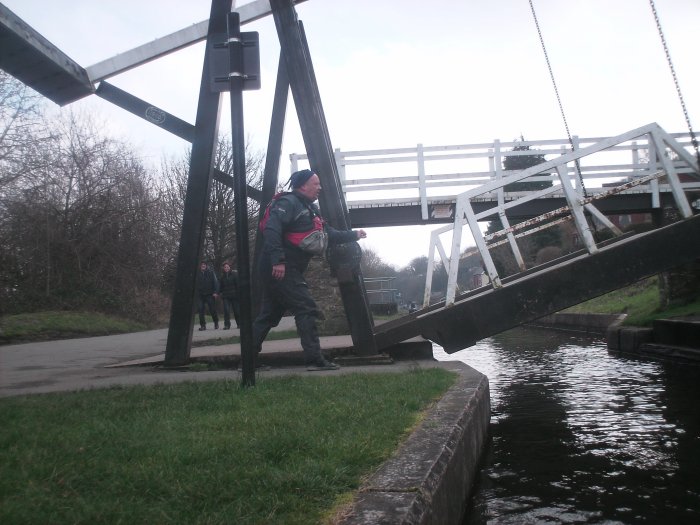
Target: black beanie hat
<point>299,178</point>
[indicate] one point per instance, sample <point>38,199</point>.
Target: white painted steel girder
<point>172,42</point>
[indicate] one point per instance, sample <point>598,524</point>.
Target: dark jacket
<point>207,283</point>
<point>293,213</point>
<point>228,284</point>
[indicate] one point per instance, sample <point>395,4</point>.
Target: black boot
<point>322,365</point>
<point>308,333</point>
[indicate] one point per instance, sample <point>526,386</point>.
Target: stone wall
<point>429,479</point>
<point>325,291</point>
<point>579,322</point>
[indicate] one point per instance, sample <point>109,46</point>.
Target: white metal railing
<point>428,175</point>
<point>660,147</point>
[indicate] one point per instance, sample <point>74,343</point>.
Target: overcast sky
<point>394,73</point>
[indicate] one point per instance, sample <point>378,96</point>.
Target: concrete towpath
<point>132,359</point>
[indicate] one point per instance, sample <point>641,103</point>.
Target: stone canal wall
<point>676,339</point>
<point>430,478</point>
<point>596,324</point>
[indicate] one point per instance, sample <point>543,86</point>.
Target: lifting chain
<point>693,139</point>
<point>556,92</point>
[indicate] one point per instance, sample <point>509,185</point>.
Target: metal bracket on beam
<point>146,111</point>
<point>220,72</point>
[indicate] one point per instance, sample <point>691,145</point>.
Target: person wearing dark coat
<point>228,289</point>
<point>207,290</point>
<point>285,256</point>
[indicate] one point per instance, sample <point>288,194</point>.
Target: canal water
<point>579,435</point>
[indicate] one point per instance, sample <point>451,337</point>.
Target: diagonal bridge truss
<point>463,317</point>
<point>578,204</point>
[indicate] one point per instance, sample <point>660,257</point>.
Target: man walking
<point>208,289</point>
<point>228,288</point>
<point>294,232</point>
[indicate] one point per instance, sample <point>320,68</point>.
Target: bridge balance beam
<point>566,282</point>
<point>32,59</point>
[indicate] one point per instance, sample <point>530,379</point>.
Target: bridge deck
<point>441,211</point>
<point>547,289</point>
<point>407,186</point>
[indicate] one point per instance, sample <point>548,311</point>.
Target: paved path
<point>97,362</point>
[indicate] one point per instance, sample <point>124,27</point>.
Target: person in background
<point>208,290</point>
<point>228,289</point>
<point>291,231</point>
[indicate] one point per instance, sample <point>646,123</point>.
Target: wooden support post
<point>272,168</point>
<point>314,129</point>
<point>177,351</point>
<point>236,75</point>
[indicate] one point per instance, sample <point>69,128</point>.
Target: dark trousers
<point>289,294</point>
<point>207,300</point>
<point>230,306</point>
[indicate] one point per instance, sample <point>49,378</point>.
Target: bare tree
<point>373,266</point>
<point>220,233</point>
<point>221,240</point>
<point>22,129</point>
<point>410,280</point>
<point>81,226</point>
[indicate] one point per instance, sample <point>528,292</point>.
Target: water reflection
<point>582,436</point>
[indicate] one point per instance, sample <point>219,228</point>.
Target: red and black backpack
<point>314,240</point>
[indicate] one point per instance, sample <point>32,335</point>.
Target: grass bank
<point>640,301</point>
<point>287,451</point>
<point>44,326</point>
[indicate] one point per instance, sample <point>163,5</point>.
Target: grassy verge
<point>41,326</point>
<point>286,451</point>
<point>639,301</point>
